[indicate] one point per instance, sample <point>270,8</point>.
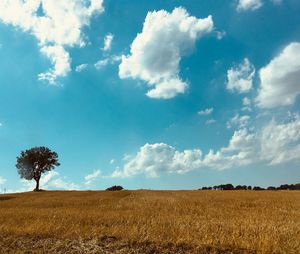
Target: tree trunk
<point>37,187</point>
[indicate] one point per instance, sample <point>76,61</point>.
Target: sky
<point>151,94</point>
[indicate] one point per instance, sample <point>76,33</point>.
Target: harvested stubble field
<point>150,222</point>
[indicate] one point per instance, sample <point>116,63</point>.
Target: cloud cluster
<point>156,52</point>
<point>280,79</point>
<point>55,24</point>
<point>276,143</point>
<point>240,78</point>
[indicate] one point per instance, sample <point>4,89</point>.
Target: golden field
<point>150,222</point>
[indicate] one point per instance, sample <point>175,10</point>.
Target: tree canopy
<point>32,163</point>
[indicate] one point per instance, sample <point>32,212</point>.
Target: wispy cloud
<point>81,67</point>
<point>91,178</point>
<point>106,61</point>
<point>206,112</point>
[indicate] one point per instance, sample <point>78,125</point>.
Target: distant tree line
<point>229,186</point>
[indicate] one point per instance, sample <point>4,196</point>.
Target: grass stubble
<point>150,222</point>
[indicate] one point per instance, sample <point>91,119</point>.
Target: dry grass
<point>151,222</point>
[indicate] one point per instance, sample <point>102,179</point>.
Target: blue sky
<point>153,94</point>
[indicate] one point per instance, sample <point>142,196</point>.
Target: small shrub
<point>115,188</point>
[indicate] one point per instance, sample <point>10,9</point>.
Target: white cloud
<point>238,121</point>
<point>280,142</point>
<point>60,58</point>
<point>53,180</point>
<point>240,79</point>
<point>275,143</point>
<point>2,180</point>
<point>220,34</point>
<point>81,67</point>
<point>240,152</point>
<point>107,42</point>
<point>245,5</point>
<point>153,159</point>
<point>247,104</point>
<point>168,89</point>
<point>206,111</point>
<point>210,121</point>
<point>112,161</point>
<point>156,52</point>
<point>280,79</point>
<point>59,27</point>
<point>49,181</point>
<point>109,60</point>
<point>90,178</point>
<point>246,101</point>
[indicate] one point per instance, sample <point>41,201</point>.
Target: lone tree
<point>32,163</point>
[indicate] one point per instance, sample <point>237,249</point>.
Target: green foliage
<point>32,163</point>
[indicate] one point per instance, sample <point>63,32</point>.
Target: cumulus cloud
<point>156,52</point>
<point>280,79</point>
<point>240,152</point>
<point>60,58</point>
<point>280,142</point>
<point>91,178</point>
<point>276,143</point>
<point>206,111</point>
<point>153,159</point>
<point>240,78</point>
<point>81,67</point>
<point>107,42</point>
<point>245,5</point>
<point>57,26</point>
